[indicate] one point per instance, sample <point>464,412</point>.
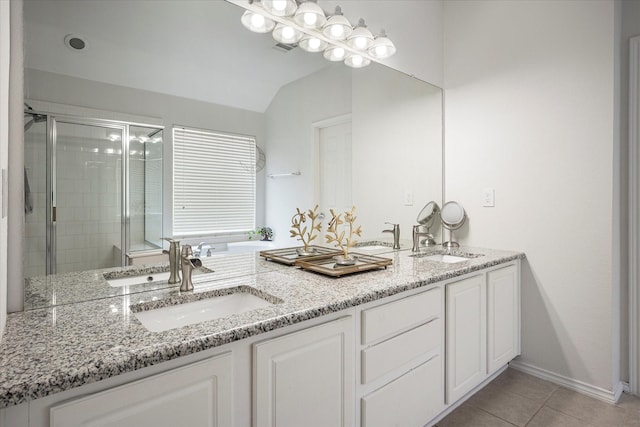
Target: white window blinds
<point>214,182</point>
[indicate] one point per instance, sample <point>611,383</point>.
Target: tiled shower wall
<point>89,204</point>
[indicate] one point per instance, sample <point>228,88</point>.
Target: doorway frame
<point>634,216</point>
<point>315,128</point>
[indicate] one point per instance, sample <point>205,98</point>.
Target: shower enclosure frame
<point>53,119</point>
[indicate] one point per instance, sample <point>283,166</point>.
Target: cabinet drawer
<point>389,319</point>
<point>411,400</point>
<point>395,352</point>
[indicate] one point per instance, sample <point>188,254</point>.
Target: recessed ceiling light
<point>75,42</point>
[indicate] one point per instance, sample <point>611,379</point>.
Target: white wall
<point>630,28</point>
<point>529,90</point>
<point>15,226</point>
<point>290,141</point>
<point>397,147</point>
<point>5,48</point>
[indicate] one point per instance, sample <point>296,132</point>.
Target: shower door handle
<point>53,214</point>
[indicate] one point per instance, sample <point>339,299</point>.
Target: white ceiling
<point>196,49</point>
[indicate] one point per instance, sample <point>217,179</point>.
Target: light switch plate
<point>408,198</point>
<point>488,197</point>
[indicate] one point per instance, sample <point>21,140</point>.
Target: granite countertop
<point>56,348</point>
<point>71,288</point>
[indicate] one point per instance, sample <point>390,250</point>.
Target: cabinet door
<point>465,335</point>
<point>195,395</point>
<point>503,311</point>
<point>306,378</point>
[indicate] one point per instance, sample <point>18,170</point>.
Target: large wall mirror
<point>332,135</point>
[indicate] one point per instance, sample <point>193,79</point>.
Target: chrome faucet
<point>174,260</point>
<point>189,262</point>
<point>416,238</point>
<point>396,234</point>
<point>203,250</point>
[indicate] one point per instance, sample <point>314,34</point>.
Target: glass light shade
<point>312,44</point>
<point>360,38</point>
<point>337,27</point>
<point>280,7</point>
<point>310,15</point>
<point>357,61</point>
<point>335,53</point>
<point>286,34</point>
<point>382,47</point>
<point>257,23</point>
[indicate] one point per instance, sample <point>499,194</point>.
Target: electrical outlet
<point>488,197</point>
<point>408,198</point>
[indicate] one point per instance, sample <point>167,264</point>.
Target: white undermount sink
<point>372,248</point>
<point>449,259</point>
<point>211,308</point>
<point>147,278</point>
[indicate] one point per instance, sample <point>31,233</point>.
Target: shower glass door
<point>87,224</point>
<point>35,194</point>
<point>93,193</point>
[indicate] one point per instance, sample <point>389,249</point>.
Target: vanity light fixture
<point>360,38</point>
<point>312,44</point>
<point>335,53</point>
<point>337,27</point>
<point>280,7</point>
<point>357,61</point>
<point>256,22</point>
<point>382,47</point>
<point>304,24</point>
<point>286,34</point>
<point>310,15</point>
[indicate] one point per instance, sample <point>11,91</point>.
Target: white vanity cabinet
<point>482,327</point>
<point>401,361</point>
<point>503,316</point>
<point>305,378</point>
<point>466,333</point>
<point>199,394</point>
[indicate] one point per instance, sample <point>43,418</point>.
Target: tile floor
<point>517,399</point>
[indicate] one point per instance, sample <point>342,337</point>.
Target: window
<point>214,182</point>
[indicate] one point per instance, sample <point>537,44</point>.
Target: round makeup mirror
<point>426,218</point>
<point>453,217</point>
<point>428,214</point>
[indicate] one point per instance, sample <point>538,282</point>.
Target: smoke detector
<point>75,42</point>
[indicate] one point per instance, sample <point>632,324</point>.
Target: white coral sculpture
<point>334,234</point>
<point>297,229</point>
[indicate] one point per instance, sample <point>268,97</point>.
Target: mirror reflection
<point>332,135</point>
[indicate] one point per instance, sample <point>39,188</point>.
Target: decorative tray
<point>326,264</point>
<point>289,256</point>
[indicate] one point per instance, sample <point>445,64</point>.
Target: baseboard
<point>572,384</point>
<point>625,387</point>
